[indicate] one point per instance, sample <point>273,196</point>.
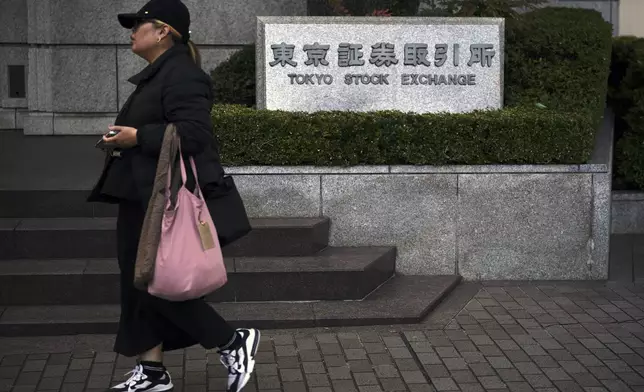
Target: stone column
<point>73,67</point>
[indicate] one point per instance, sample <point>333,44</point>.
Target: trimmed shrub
<point>516,135</point>
<point>621,84</point>
<point>234,79</point>
<point>560,58</point>
<point>557,66</point>
<point>626,96</point>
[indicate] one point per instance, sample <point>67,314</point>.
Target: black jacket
<point>173,89</point>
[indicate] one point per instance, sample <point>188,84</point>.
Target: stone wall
<point>77,75</point>
<point>482,222</point>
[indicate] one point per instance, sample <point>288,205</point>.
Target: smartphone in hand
<point>101,143</point>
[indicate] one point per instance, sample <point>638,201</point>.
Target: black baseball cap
<point>170,12</point>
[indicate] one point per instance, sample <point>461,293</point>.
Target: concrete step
<point>332,274</point>
<point>75,238</point>
<point>52,204</point>
<point>402,300</point>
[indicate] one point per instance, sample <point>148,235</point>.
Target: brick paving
<point>504,337</point>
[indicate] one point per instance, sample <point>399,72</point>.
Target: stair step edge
<point>109,223</point>
<point>324,312</point>
<point>328,260</point>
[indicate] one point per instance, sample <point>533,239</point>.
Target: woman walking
<point>171,89</point>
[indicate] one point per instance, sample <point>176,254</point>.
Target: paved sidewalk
<point>529,337</point>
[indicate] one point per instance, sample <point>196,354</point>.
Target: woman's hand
<point>126,137</point>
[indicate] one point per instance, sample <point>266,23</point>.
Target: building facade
<point>64,64</point>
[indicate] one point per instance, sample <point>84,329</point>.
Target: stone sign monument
<point>380,63</point>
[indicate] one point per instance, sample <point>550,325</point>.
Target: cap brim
<point>128,20</point>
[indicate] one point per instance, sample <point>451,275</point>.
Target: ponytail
<point>194,53</point>
<point>178,40</point>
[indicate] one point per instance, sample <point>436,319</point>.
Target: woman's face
<point>145,36</point>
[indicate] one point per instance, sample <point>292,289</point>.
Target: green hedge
<point>234,80</point>
<point>557,64</point>
<point>559,57</point>
<point>515,135</point>
<point>626,96</point>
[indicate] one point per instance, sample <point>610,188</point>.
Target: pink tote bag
<point>189,261</point>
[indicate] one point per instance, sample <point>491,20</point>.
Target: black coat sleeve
<point>186,103</point>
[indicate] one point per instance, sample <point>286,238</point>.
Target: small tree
<point>364,7</point>
<point>405,7</point>
<point>482,8</point>
<point>374,7</point>
<point>339,8</point>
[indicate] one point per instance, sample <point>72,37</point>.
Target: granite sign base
<point>482,222</point>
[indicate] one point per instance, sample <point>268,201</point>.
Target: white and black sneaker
<point>241,361</point>
<point>139,381</point>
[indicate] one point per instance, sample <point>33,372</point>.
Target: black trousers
<point>147,321</point>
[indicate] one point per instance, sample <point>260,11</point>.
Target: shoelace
<point>137,375</point>
<point>229,359</point>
